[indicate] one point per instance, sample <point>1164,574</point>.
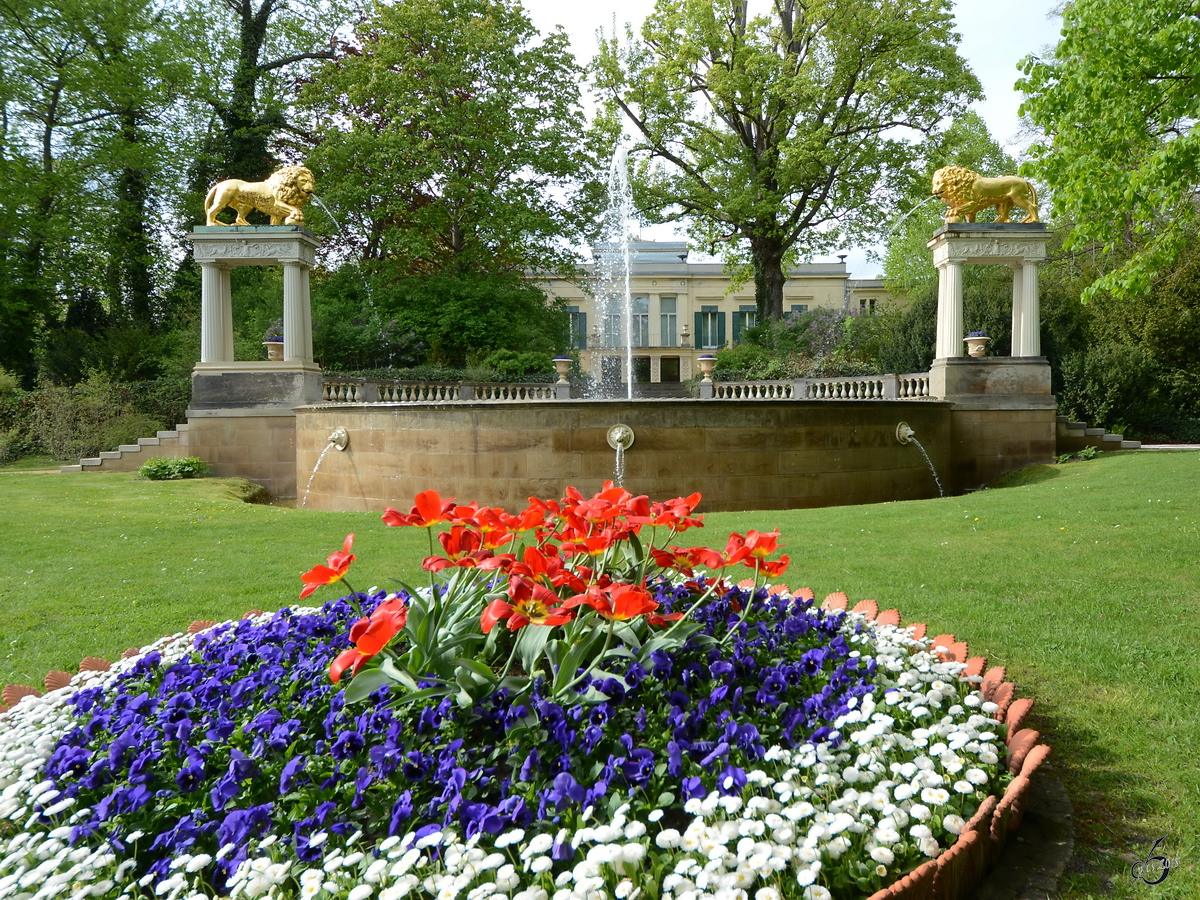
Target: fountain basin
<point>740,455</point>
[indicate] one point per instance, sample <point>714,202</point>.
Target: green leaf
<point>366,683</point>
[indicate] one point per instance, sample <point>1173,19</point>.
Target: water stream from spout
<point>619,468</point>
<point>328,447</point>
<point>929,462</point>
<point>900,221</point>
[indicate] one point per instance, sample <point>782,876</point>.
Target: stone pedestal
<point>1017,245</point>
<point>1002,416</point>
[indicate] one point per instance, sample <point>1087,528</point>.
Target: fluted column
<point>1027,332</point>
<point>216,315</point>
<point>950,311</point>
<point>297,340</point>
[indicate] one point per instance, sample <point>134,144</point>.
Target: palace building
<point>682,310</point>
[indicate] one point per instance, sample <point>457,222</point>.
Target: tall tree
<point>777,135</point>
<point>449,139</point>
<point>1118,100</point>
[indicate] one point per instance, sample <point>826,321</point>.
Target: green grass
<point>1084,579</point>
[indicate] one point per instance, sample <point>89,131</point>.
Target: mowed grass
<point>1084,581</point>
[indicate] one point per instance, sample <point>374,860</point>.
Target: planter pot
<point>274,350</point>
<point>976,346</point>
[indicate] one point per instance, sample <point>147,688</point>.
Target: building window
<point>667,323</point>
<point>710,328</point>
<point>744,318</point>
<point>641,322</point>
<point>867,306</point>
<point>797,309</point>
<point>578,325</point>
<point>613,336</point>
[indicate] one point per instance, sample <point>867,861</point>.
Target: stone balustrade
<point>366,390</point>
<point>866,387</point>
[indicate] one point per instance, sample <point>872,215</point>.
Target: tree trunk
<point>767,256</point>
<point>132,256</point>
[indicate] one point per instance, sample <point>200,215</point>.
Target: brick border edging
<point>955,873</point>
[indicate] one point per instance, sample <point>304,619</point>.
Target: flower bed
<point>684,738</point>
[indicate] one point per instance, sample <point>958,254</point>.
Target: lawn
<point>1084,581</point>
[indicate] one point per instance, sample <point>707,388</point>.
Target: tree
<point>449,139</point>
<point>781,134</point>
<point>1117,100</point>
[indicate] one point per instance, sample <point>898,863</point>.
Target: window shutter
<point>581,338</point>
<point>698,340</point>
<point>721,330</point>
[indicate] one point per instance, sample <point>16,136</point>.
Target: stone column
<point>297,342</point>
<point>1027,334</point>
<point>950,315</point>
<point>1018,306</point>
<point>216,315</point>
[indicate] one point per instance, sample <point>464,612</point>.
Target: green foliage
<point>165,468</point>
<point>460,158</point>
<point>778,136</point>
<point>509,364</point>
<point>9,383</point>
<point>98,414</point>
<point>1117,103</point>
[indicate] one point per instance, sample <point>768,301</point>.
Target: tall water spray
<point>613,297</point>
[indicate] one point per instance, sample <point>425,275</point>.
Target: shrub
<point>517,364</point>
<point>165,468</point>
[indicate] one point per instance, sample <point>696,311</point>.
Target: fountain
<point>614,301</point>
<point>905,435</point>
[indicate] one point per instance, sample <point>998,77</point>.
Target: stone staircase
<point>129,457</point>
<point>1071,437</point>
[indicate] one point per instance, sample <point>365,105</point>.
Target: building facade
<point>682,310</point>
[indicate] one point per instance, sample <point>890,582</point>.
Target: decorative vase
<point>976,345</point>
<point>562,365</point>
<point>274,350</point>
<point>707,364</point>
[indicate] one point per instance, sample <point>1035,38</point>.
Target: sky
<point>995,37</point>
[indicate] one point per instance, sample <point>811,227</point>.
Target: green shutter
<point>698,340</point>
<point>581,339</point>
<point>720,330</point>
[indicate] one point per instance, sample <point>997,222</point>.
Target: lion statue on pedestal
<point>282,197</point>
<point>966,193</point>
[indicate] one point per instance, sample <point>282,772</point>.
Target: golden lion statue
<point>282,197</point>
<point>966,193</point>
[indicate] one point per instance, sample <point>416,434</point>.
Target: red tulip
<point>532,603</point>
<point>370,635</point>
<point>339,564</point>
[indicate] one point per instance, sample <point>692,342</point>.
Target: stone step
<point>129,448</point>
<point>150,442</point>
<point>90,462</point>
<point>1093,432</point>
<point>69,469</point>
<point>1131,445</point>
<point>110,454</point>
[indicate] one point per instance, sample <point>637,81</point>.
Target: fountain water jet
<point>905,435</point>
<point>340,438</point>
<point>613,265</point>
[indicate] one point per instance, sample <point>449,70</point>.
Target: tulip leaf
<point>366,683</point>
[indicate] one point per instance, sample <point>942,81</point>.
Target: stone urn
<point>976,344</point>
<point>274,350</point>
<point>562,365</point>
<point>707,363</point>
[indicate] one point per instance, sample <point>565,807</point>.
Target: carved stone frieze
<point>235,249</point>
<point>1003,249</point>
